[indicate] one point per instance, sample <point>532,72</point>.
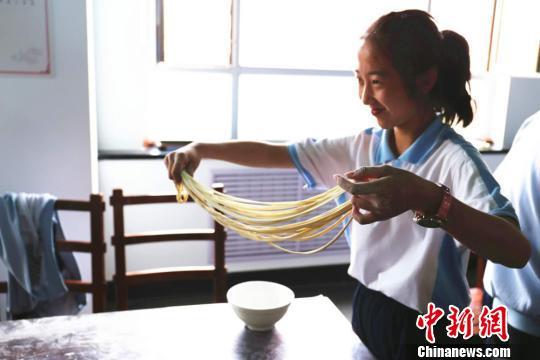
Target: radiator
<point>275,185</point>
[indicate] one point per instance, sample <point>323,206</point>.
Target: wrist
<point>198,149</point>
<point>435,218</point>
<point>433,203</point>
<point>429,198</point>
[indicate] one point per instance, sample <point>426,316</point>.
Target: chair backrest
<point>96,247</point>
<point>120,239</point>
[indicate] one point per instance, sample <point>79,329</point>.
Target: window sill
<point>155,153</point>
<point>131,154</point>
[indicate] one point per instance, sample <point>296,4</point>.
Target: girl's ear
<point>427,80</point>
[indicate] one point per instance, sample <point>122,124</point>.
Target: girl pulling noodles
<point>428,198</point>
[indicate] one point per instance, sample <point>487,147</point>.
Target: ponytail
<point>450,93</point>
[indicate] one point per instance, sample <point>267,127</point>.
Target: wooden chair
<point>124,279</point>
<point>96,247</point>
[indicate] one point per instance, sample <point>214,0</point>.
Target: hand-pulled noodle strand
<point>262,213</point>
<point>253,217</point>
<point>320,248</point>
<point>193,185</point>
<point>312,223</point>
<point>248,225</point>
<point>323,217</point>
<point>270,222</point>
<point>302,235</point>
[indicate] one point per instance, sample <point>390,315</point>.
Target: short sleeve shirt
<point>519,176</point>
<point>409,263</point>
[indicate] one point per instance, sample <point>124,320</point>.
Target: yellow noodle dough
<point>270,222</point>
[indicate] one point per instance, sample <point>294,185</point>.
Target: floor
<point>331,281</point>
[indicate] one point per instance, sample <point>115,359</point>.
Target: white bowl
<point>260,304</point>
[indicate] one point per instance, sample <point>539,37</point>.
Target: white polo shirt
<point>409,263</point>
<point>519,175</point>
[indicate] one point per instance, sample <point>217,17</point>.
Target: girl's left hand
<point>386,192</point>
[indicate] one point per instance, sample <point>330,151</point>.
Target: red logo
<point>429,320</point>
<point>493,322</point>
<point>490,322</point>
<point>460,322</point>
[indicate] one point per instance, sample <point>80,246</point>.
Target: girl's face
<point>382,89</point>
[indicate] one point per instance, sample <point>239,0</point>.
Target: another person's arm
<point>248,153</point>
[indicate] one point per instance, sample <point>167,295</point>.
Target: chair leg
<point>99,292</point>
<point>121,293</point>
<point>220,285</point>
<point>99,299</point>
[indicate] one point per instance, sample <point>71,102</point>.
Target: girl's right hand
<point>186,158</point>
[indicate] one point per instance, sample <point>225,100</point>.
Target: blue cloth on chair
<point>29,226</point>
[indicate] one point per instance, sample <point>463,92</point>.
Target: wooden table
<point>313,328</point>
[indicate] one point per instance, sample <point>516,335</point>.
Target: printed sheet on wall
<point>24,38</point>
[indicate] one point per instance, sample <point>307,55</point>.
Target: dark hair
<point>413,44</point>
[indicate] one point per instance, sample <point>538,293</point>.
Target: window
<point>278,69</point>
<point>197,33</point>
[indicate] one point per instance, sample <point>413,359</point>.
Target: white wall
<point>125,61</point>
<point>45,131</point>
<point>510,101</point>
<point>44,119</point>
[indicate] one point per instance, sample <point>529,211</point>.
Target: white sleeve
<point>318,161</point>
<point>474,185</point>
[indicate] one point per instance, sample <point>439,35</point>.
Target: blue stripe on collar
<point>308,178</point>
<point>420,149</point>
<point>384,152</point>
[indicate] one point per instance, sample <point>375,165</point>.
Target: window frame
<point>234,69</point>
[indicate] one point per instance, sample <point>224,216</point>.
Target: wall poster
<point>24,37</point>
